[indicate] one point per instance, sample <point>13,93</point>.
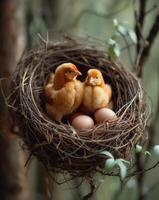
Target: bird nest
<point>60,147</point>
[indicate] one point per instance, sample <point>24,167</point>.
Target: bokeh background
<point>22,23</point>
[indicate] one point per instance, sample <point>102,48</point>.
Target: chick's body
<point>97,94</point>
<point>65,94</point>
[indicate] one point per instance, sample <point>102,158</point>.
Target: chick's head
<point>69,71</point>
<point>94,78</point>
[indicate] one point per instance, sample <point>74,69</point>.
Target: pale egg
<point>104,114</point>
<point>82,122</point>
<point>74,116</point>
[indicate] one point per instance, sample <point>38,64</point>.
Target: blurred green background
<point>21,21</point>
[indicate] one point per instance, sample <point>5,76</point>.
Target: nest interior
<point>58,146</point>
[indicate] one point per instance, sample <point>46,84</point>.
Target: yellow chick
<point>63,93</point>
<point>97,94</point>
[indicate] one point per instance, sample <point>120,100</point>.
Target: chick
<point>63,93</point>
<point>48,88</point>
<point>97,94</point>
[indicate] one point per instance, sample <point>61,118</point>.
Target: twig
<point>92,186</point>
<point>142,170</point>
<point>128,48</point>
<point>139,23</point>
<point>99,14</point>
<point>142,8</point>
<point>140,177</point>
<point>151,9</point>
<point>150,40</point>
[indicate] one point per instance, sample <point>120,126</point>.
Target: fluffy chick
<point>63,93</point>
<point>97,94</point>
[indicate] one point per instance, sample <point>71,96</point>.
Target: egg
<point>104,114</point>
<point>74,116</point>
<point>82,122</point>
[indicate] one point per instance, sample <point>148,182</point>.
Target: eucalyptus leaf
<point>122,167</point>
<point>110,163</point>
<point>117,50</point>
<point>147,153</point>
<point>111,42</point>
<point>108,154</point>
<point>133,36</point>
<point>138,148</point>
<point>125,161</point>
<point>156,150</point>
<point>114,51</point>
<point>115,22</point>
<point>122,30</point>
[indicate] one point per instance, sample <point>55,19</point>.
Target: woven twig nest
<point>59,146</point>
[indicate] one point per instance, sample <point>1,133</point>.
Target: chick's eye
<point>69,72</point>
<point>96,77</point>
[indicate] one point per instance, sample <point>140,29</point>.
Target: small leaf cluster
<point>155,150</point>
<point>111,162</point>
<point>139,149</point>
<point>124,31</point>
<point>114,49</point>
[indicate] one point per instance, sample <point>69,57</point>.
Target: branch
<point>99,14</point>
<point>142,171</point>
<point>140,177</point>
<point>142,8</point>
<point>150,40</point>
<point>144,54</point>
<point>139,23</point>
<point>154,7</point>
<point>92,187</point>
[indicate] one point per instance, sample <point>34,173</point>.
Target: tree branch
<point>150,40</point>
<point>139,23</point>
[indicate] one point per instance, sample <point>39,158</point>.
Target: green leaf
<point>115,22</point>
<point>156,150</point>
<point>147,153</point>
<point>133,36</point>
<point>108,154</point>
<point>111,42</point>
<point>122,167</point>
<point>111,52</point>
<point>110,163</point>
<point>114,51</point>
<point>117,50</point>
<point>122,30</point>
<point>138,148</point>
<point>125,161</point>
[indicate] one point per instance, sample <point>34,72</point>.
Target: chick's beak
<point>91,80</point>
<point>78,73</point>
